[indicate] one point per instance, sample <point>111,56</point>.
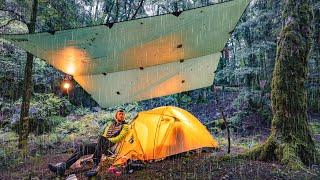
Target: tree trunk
<point>316,38</point>
<point>24,115</point>
<point>2,4</point>
<point>291,141</point>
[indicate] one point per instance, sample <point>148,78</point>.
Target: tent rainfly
<point>143,58</point>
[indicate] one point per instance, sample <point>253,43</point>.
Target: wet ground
<point>193,166</point>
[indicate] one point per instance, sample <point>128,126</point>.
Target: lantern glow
<point>66,85</point>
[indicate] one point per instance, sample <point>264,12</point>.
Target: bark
<point>316,37</point>
<point>27,86</point>
<point>291,140</point>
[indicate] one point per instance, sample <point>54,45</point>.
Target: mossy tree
<point>27,86</point>
<point>291,140</point>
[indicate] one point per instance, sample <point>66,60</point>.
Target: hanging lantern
<point>66,84</point>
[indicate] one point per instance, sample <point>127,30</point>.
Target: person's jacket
<point>116,131</point>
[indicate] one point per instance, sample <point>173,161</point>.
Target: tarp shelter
<point>142,58</point>
<point>162,132</point>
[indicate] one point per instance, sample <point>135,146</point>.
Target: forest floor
<point>205,165</point>
<point>188,166</point>
<point>196,166</point>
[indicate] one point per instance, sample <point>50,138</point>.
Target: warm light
<point>69,59</point>
<point>66,85</point>
<point>71,69</point>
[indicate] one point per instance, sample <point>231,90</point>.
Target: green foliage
<point>247,143</point>
<point>50,105</point>
<point>314,100</point>
<point>249,56</point>
<point>185,99</point>
<point>251,103</point>
<point>69,127</point>
<point>315,127</point>
<point>216,126</point>
<point>81,111</point>
<point>247,100</point>
<point>215,130</point>
<point>46,111</point>
<point>40,126</point>
<point>266,114</point>
<point>9,154</point>
<point>236,120</point>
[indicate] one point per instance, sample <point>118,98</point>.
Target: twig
<point>140,5</point>
<point>117,12</point>
<point>107,18</point>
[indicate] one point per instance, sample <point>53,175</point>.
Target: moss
<point>252,154</point>
<point>227,157</point>
<point>268,150</point>
<point>291,140</point>
<point>290,157</point>
<point>315,126</point>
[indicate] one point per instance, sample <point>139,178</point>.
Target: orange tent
<point>162,132</point>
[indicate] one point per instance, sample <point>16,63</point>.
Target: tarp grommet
<point>52,32</point>
<point>177,13</point>
<point>109,25</point>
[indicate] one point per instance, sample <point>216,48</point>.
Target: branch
<point>164,8</point>
<point>140,5</point>
<point>107,18</point>
<point>19,16</point>
<point>117,12</point>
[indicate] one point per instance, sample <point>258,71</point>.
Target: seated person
<point>112,134</point>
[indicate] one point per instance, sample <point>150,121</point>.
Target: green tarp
<point>143,58</point>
